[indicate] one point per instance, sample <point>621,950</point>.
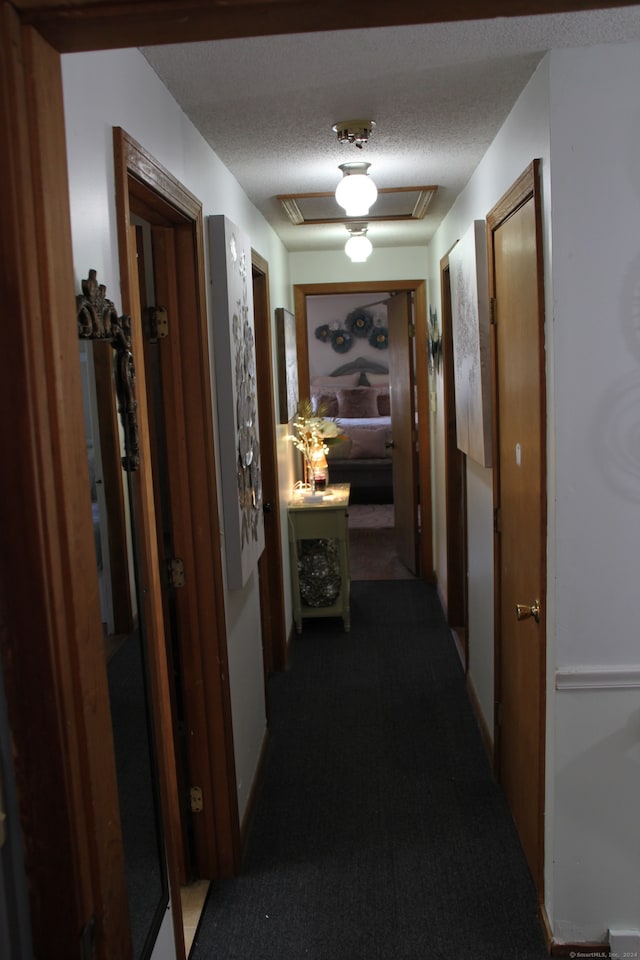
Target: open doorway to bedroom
<point>348,351</point>
<point>345,344</point>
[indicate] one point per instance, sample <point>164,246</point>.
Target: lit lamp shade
<point>356,192</point>
<point>358,248</point>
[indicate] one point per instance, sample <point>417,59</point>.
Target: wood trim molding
<point>142,179</point>
<point>104,24</point>
<point>455,475</point>
<point>580,950</point>
<point>270,564</point>
<point>50,623</point>
<point>419,288</point>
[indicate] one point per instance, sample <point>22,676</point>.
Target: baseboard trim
<point>442,599</point>
<point>249,810</point>
<point>460,640</point>
<point>546,926</point>
<point>292,634</point>
<point>580,950</point>
<point>485,733</point>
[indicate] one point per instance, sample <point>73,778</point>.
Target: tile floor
<point>193,897</point>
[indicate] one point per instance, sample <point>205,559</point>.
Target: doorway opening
<point>161,236</point>
<point>347,362</point>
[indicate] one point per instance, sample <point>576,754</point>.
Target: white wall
<point>333,309</point>
<point>580,114</point>
<point>118,88</point>
<point>385,263</point>
<point>595,154</point>
<point>523,137</point>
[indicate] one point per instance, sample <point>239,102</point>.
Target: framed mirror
<point>108,378</point>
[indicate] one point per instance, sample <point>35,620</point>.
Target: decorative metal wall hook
<point>435,342</point>
<point>98,320</point>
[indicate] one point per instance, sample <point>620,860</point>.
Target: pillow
<point>357,402</point>
<point>384,403</point>
<point>367,443</point>
<point>340,451</point>
<point>378,379</point>
<point>325,402</point>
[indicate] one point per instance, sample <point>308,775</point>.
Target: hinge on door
<point>158,323</point>
<point>195,800</point>
<point>176,572</point>
<point>88,938</point>
<point>412,328</point>
<point>497,520</point>
<point>497,714</point>
<point>492,311</point>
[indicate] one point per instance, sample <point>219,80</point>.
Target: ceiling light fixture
<point>356,192</point>
<point>358,246</point>
<point>354,131</point>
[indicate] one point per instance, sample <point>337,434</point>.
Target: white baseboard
<point>624,944</point>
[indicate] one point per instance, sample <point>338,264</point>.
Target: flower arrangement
<point>313,434</point>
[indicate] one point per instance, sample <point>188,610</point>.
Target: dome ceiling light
<point>356,192</point>
<point>358,246</point>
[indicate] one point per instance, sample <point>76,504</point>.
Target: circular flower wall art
<point>379,338</point>
<point>359,322</point>
<point>341,341</point>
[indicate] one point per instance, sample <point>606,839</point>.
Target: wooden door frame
<point>95,25</point>
<point>144,184</point>
<point>56,681</point>
<point>270,565</point>
<point>455,603</point>
<point>50,621</point>
<point>526,187</point>
<point>419,289</point>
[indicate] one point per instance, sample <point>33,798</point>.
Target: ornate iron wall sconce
<point>98,320</point>
<point>435,342</point>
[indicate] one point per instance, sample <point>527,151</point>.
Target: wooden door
<point>148,191</point>
<point>272,606</point>
<point>520,500</point>
<point>403,429</point>
<point>155,255</point>
<point>455,483</point>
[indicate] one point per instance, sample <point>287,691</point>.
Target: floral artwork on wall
<point>470,328</point>
<point>358,324</point>
<point>287,364</point>
<point>236,389</point>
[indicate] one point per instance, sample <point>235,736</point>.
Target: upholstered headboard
<point>362,367</point>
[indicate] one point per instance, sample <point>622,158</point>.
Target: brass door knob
<point>523,611</point>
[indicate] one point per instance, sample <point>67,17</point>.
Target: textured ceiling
<point>438,93</point>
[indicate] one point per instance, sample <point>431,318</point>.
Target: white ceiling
<point>438,93</point>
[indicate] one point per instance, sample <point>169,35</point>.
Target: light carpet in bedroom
<point>372,553</point>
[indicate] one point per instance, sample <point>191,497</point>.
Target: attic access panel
<point>393,203</point>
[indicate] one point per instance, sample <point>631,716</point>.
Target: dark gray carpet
<point>379,832</point>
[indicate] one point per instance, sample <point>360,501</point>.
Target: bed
<point>357,395</point>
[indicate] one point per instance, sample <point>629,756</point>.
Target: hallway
<point>379,831</point>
